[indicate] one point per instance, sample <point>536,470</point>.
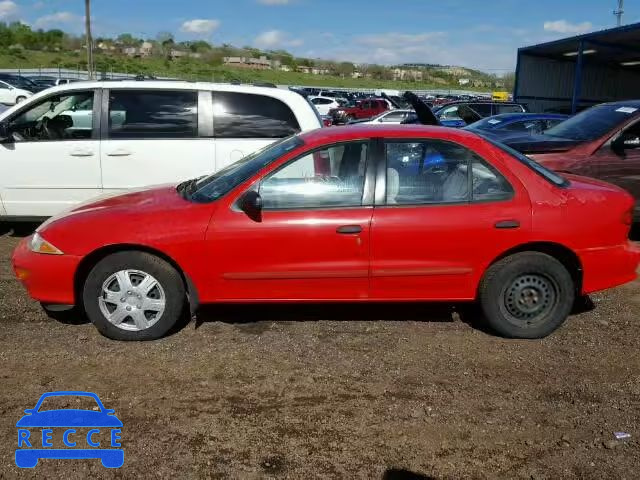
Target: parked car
<point>506,125</point>
<point>10,95</point>
<point>18,81</point>
<point>324,104</point>
<point>463,113</point>
<point>360,213</point>
<point>47,82</point>
<point>360,109</point>
<point>61,147</point>
<point>390,116</point>
<point>601,142</point>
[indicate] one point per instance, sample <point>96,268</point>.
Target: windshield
<point>544,172</point>
<point>20,82</point>
<point>220,183</point>
<point>592,123</point>
<point>65,402</point>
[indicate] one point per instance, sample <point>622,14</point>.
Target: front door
<point>151,137</point>
<point>444,215</point>
<point>312,240</point>
<point>52,161</point>
<point>621,167</point>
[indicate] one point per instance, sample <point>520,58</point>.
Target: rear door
<point>151,136</point>
<point>244,123</point>
<point>444,215</point>
<point>53,160</point>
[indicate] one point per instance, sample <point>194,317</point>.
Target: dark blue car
<point>507,125</point>
<point>35,432</point>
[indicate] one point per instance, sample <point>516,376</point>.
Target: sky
<point>482,34</point>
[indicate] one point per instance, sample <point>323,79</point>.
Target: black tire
<point>167,277</point>
<point>20,99</point>
<point>526,295</point>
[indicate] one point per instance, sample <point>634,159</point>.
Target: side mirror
<point>5,135</point>
<point>109,411</point>
<point>625,142</point>
<point>251,204</point>
<point>29,411</point>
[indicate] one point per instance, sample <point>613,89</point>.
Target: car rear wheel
<point>133,296</point>
<point>21,99</point>
<point>526,295</point>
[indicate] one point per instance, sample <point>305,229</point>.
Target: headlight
<point>40,245</point>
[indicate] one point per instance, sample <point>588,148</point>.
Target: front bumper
<point>609,266</point>
<point>47,278</point>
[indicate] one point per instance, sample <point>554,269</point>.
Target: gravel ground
<point>395,392</point>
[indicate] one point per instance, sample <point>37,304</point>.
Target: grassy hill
<point>198,69</point>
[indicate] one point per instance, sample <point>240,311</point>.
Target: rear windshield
<point>549,175</point>
<point>592,123</point>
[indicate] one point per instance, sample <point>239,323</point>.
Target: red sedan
<point>363,213</point>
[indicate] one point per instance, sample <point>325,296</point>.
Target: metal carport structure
<point>578,72</point>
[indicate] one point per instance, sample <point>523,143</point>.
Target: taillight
<point>326,122</point>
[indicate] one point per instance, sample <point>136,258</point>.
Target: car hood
<point>540,143</point>
<point>69,418</point>
<point>138,200</point>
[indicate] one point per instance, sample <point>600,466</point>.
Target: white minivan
<point>73,142</point>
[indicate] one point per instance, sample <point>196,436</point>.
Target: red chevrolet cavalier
<point>363,213</point>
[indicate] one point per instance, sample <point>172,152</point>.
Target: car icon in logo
<point>86,432</point>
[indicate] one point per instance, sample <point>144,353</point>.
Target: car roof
<point>280,93</point>
<point>361,131</point>
<point>505,117</point>
<point>624,103</point>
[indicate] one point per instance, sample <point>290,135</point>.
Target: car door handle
<point>81,153</point>
<point>119,153</point>
<point>505,224</point>
<point>349,229</point>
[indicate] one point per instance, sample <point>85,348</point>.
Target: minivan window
<point>59,117</point>
<point>244,115</point>
<point>139,114</point>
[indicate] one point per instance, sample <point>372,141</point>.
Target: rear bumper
<point>47,278</point>
<point>608,266</point>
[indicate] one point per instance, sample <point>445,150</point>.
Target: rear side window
<point>243,115</point>
<point>482,109</point>
<point>153,114</point>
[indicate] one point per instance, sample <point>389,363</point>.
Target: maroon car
<point>359,110</point>
<point>601,142</point>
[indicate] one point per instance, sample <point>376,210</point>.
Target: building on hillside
<point>464,81</point>
<point>285,68</point>
<point>357,74</point>
<point>320,71</point>
<point>304,69</point>
<point>262,63</point>
<point>407,74</point>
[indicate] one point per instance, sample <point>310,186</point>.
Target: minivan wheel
<point>526,295</point>
<point>133,296</point>
<point>21,99</point>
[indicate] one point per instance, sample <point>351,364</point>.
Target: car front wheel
<point>526,295</point>
<point>133,296</point>
<point>20,99</point>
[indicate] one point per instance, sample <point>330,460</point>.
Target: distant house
<point>304,69</point>
<point>262,63</point>
<point>146,49</point>
<point>463,81</point>
<point>175,54</point>
<point>407,74</point>
<point>320,71</point>
<point>357,74</point>
<point>285,68</point>
<point>130,51</point>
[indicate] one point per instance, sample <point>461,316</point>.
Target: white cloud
<point>562,26</point>
<point>57,19</point>
<point>275,2</point>
<point>432,47</point>
<point>274,39</point>
<point>8,10</point>
<point>200,26</point>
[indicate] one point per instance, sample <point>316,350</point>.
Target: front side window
<point>509,108</point>
<point>433,172</point>
<point>243,115</point>
<point>61,117</point>
<point>140,114</point>
<point>330,177</point>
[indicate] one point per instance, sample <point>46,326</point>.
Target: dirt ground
<point>393,392</point>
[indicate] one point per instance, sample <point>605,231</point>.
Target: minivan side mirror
<point>625,142</point>
<point>5,135</point>
<point>251,204</point>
